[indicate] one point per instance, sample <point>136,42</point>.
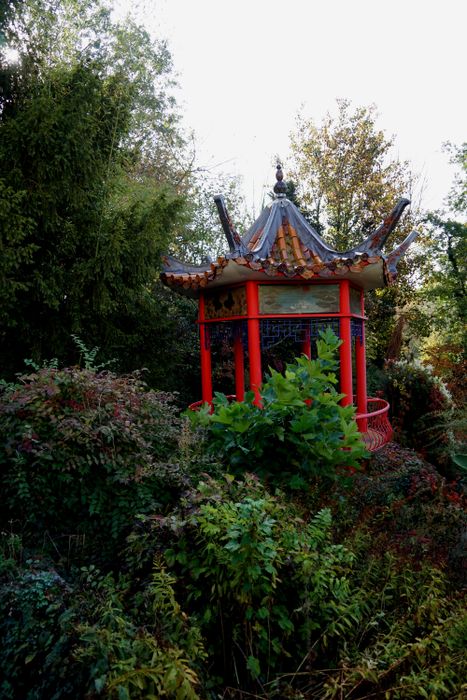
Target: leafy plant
<point>300,432</point>
<point>62,641</point>
<point>264,585</point>
<point>88,355</point>
<point>412,642</point>
<point>126,659</point>
<point>34,647</point>
<point>417,398</point>
<point>82,453</point>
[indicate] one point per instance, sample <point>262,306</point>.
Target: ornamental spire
<point>280,188</point>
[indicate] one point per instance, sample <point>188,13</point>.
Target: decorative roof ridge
<point>233,238</point>
<point>376,240</point>
<point>282,243</point>
<point>395,255</point>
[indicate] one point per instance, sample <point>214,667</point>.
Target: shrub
<point>410,511</point>
<point>150,654</point>
<point>34,648</point>
<point>418,398</point>
<point>265,586</point>
<point>411,643</point>
<point>82,453</point>
<point>299,433</point>
<point>60,641</point>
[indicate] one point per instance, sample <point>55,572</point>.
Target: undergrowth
<point>136,561</point>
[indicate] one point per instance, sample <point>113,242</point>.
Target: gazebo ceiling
<point>281,244</point>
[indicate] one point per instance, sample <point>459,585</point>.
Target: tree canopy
<point>346,180</point>
<point>85,120</point>
<point>444,292</point>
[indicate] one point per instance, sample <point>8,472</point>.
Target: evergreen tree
<point>83,221</point>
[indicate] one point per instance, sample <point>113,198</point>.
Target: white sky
<point>245,68</point>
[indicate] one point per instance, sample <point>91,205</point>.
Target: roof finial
<point>280,188</point>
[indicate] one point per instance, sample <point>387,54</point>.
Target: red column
<point>254,342</point>
<point>206,372</point>
<point>360,362</point>
<point>239,368</point>
<point>360,366</point>
<point>346,347</point>
<point>306,345</point>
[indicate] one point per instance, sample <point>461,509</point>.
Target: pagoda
<point>281,280</point>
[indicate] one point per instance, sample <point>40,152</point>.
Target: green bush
<point>299,433</point>
<point>82,453</point>
<point>411,642</point>
<point>60,641</point>
<point>35,646</point>
<point>143,654</point>
<point>418,398</point>
<point>264,585</point>
<point>411,510</point>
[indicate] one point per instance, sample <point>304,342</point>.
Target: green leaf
<point>253,666</point>
<point>460,460</point>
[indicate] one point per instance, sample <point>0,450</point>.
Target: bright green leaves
<point>300,433</point>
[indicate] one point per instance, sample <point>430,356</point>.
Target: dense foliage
<point>81,454</point>
<point>445,289</point>
<point>131,568</point>
<point>91,161</point>
<point>254,554</point>
<point>345,177</point>
<point>418,400</point>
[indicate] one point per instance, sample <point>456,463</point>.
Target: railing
<point>374,426</point>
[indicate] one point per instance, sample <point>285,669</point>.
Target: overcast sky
<point>246,68</point>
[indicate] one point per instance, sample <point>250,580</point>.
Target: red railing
<point>374,426</point>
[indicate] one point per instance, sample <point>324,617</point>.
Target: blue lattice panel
<point>357,329</point>
<point>298,330</point>
<point>225,332</point>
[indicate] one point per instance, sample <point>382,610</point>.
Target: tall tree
<point>446,285</point>
<point>84,223</point>
<point>203,236</point>
<point>344,175</point>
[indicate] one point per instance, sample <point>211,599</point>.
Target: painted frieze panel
<point>298,299</point>
<point>223,303</point>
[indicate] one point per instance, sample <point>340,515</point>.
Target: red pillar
<point>206,372</point>
<point>360,362</point>
<point>254,342</point>
<point>360,366</point>
<point>239,368</point>
<point>306,345</point>
<point>346,347</point>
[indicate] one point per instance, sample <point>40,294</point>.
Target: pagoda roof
<point>282,244</point>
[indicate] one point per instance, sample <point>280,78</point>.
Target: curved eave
<point>367,274</point>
